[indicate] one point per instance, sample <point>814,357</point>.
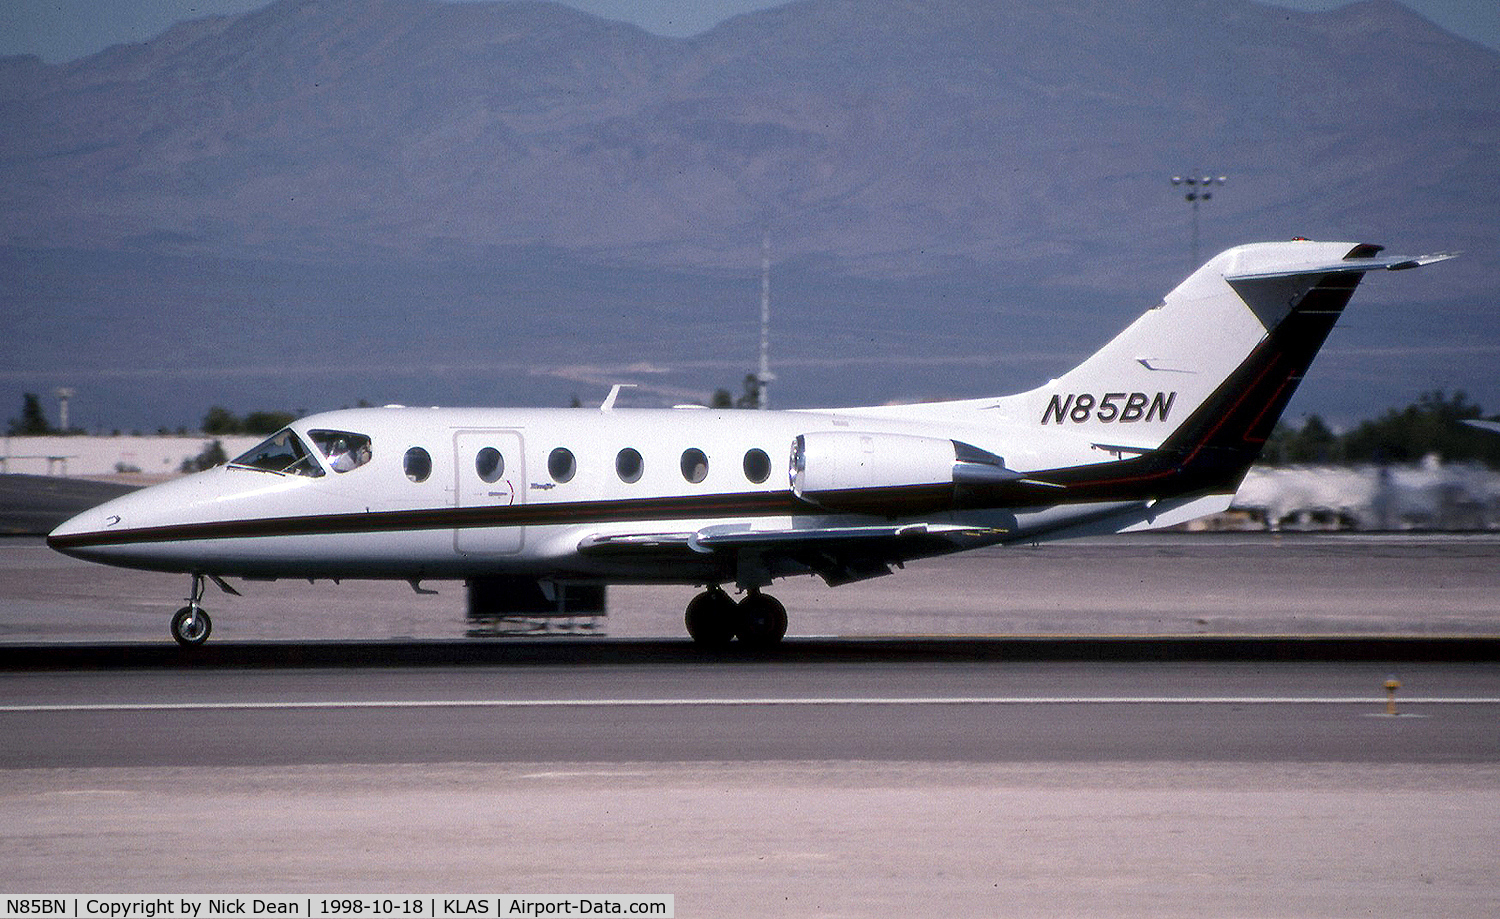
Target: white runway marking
<point>335,704</point>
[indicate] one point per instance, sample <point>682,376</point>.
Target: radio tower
<point>764,376</point>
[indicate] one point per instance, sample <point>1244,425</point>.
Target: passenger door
<point>490,470</point>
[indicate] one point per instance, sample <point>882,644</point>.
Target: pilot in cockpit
<point>340,457</point>
<point>344,456</point>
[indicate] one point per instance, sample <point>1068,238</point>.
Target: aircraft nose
<point>132,518</point>
<point>145,528</point>
<point>74,535</point>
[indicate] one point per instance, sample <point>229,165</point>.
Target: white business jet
<point>1155,429</point>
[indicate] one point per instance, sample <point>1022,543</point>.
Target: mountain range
<point>1014,156</point>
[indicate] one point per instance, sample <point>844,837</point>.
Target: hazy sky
<point>61,30</point>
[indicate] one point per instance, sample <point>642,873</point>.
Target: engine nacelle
<point>888,473</point>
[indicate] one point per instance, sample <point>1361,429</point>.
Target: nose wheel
<point>191,625</point>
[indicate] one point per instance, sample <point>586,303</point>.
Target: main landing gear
<point>714,619</point>
<point>191,625</point>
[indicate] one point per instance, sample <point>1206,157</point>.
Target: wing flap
<point>637,543</point>
<point>724,538</point>
<point>839,555</point>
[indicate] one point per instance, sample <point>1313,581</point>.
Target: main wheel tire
<point>761,621</point>
<point>710,619</point>
<point>191,629</point>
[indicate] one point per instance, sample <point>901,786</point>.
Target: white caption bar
<point>487,906</point>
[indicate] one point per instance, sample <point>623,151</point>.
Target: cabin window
<point>418,464</point>
<point>757,466</point>
<point>629,465</point>
<point>694,465</point>
<point>561,465</point>
<point>282,453</point>
<point>489,464</point>
<point>343,450</point>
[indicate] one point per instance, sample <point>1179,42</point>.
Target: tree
<point>221,420</point>
<point>1432,424</point>
<point>33,420</point>
<point>212,455</point>
<point>750,398</point>
<point>267,422</point>
<point>1315,443</point>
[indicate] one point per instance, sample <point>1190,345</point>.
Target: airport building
<point>123,459</point>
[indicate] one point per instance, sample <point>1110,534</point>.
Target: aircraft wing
<point>839,554</point>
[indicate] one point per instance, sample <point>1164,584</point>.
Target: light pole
<point>764,377</point>
<point>1199,188</point>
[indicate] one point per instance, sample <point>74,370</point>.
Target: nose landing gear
<point>191,625</point>
<point>714,619</point>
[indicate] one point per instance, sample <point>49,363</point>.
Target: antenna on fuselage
<point>764,376</point>
<point>608,405</point>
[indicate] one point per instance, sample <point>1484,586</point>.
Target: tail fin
<point>1258,311</point>
<point>1201,379</point>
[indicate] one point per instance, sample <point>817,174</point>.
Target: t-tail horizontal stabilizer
<point>1352,262</point>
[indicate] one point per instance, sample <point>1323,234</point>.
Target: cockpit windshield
<point>282,453</point>
<point>344,450</point>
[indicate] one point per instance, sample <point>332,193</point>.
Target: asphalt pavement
<point>33,505</point>
<point>828,710</point>
<point>1161,726</point>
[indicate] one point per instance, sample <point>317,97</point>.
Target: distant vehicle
<point>1155,429</point>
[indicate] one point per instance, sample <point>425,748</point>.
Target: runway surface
<point>35,504</point>
<point>853,775</point>
<point>1149,584</point>
<point>905,787</point>
<point>896,710</point>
